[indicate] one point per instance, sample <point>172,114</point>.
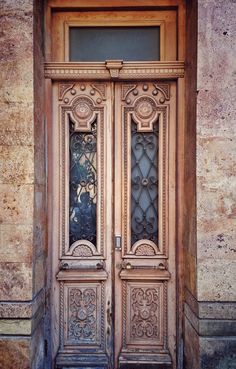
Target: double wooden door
<point>113,170</point>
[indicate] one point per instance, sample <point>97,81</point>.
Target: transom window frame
<point>110,23</point>
<point>165,19</point>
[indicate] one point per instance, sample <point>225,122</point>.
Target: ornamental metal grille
<point>83,184</point>
<point>144,184</point>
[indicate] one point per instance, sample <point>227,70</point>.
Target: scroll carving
<point>126,89</point>
<point>82,325</point>
<point>143,314</point>
<point>145,307</point>
<point>101,88</point>
<point>164,88</point>
<point>63,88</point>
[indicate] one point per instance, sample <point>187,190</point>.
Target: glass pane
<point>104,43</point>
<point>83,184</point>
<point>144,185</point>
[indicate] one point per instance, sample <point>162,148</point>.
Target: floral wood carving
<point>126,89</point>
<point>83,114</point>
<point>82,326</point>
<point>63,89</point>
<point>144,313</point>
<point>82,251</point>
<point>145,250</point>
<point>145,113</point>
<point>101,88</point>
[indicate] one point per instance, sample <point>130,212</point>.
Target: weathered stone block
<point>216,281</point>
<point>15,327</point>
<point>16,126</point>
<point>16,281</point>
<point>16,164</point>
<point>16,243</point>
<point>15,353</point>
<point>217,353</point>
<point>16,204</point>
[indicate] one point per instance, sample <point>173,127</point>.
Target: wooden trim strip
<point>101,71</point>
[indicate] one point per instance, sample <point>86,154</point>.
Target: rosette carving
<point>145,113</point>
<point>83,113</point>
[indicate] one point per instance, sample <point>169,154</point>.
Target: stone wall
<point>210,309</point>
<point>22,186</point>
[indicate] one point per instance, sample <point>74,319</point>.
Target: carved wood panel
<point>83,314</point>
<point>144,314</point>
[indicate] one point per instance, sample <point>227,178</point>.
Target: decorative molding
<point>210,309</point>
<point>25,310</point>
<point>114,70</point>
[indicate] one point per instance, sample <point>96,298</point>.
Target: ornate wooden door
<point>114,294</point>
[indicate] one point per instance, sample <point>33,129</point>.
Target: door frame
<point>167,70</point>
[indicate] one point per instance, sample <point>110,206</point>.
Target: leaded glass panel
<point>83,184</point>
<point>144,184</point>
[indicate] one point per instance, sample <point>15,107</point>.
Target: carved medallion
<point>83,110</point>
<point>144,109</point>
<point>145,113</point>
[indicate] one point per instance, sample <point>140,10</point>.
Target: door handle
<point>66,266</point>
<point>128,266</point>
